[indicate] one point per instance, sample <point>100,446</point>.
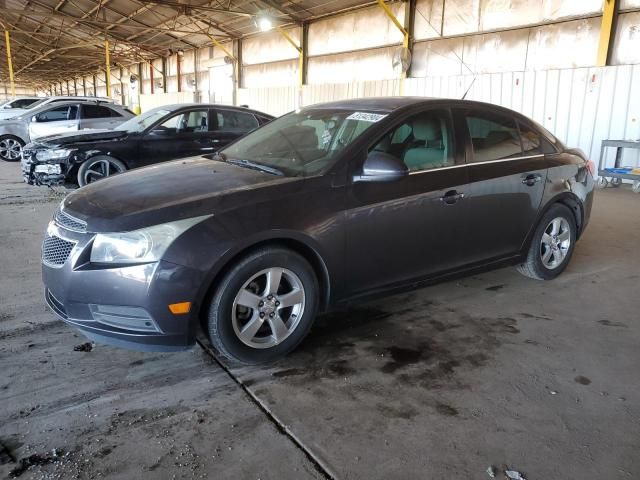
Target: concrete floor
<point>494,369</point>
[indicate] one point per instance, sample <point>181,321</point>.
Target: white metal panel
<point>269,47</point>
<point>366,28</point>
<point>428,19</point>
<point>438,57</point>
<point>626,48</point>
<point>568,44</point>
<point>496,52</point>
<point>271,74</point>
<point>461,16</point>
<point>352,66</point>
<point>624,4</point>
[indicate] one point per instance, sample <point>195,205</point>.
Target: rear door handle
<point>531,179</point>
<point>451,197</point>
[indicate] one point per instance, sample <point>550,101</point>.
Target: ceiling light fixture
<point>265,24</point>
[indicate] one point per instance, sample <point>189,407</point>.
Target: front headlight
<point>53,154</point>
<point>139,246</point>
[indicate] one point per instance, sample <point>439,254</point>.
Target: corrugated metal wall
<point>582,106</point>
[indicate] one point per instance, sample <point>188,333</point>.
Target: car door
<point>54,120</point>
<point>180,135</point>
<point>416,226</point>
<point>94,116</point>
<point>229,125</point>
<point>507,175</point>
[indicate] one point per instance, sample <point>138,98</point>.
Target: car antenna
<point>469,88</point>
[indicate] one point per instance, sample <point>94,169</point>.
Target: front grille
<point>67,221</point>
<point>56,250</point>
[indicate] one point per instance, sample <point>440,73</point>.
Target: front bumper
<point>29,164</point>
<point>124,306</point>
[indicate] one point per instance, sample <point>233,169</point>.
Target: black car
<point>163,133</point>
<point>321,207</point>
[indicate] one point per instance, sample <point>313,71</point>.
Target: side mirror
<point>159,132</point>
<point>381,167</point>
<point>34,119</point>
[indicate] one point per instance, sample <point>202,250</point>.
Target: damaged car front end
<point>43,165</point>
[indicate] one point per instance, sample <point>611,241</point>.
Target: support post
<point>108,67</point>
<point>236,64</point>
<point>95,86</point>
<point>607,31</point>
<point>84,85</point>
<point>301,56</point>
<point>405,37</point>
<point>178,77</point>
<point>75,87</point>
<point>7,40</point>
<point>151,76</point>
<point>122,99</point>
<point>164,74</point>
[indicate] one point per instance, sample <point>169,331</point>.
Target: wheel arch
<point>569,200</point>
<point>293,243</point>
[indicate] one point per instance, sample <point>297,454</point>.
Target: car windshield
<point>142,122</point>
<point>302,143</point>
<point>37,104</point>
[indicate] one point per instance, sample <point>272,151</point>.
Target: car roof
<point>178,106</point>
<point>73,102</point>
<point>390,104</point>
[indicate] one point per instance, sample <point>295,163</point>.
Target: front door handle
<point>531,179</point>
<point>451,197</point>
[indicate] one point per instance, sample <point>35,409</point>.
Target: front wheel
<point>552,244</point>
<point>97,168</point>
<point>264,306</point>
<point>10,148</point>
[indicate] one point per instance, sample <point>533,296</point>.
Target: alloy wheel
<point>555,243</point>
<point>99,169</point>
<point>10,149</point>
<point>268,308</point>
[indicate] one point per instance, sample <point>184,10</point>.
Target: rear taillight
<point>591,167</point>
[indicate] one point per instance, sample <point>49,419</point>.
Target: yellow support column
<point>405,36</point>
<point>236,67</point>
<point>300,62</point>
<point>108,67</point>
<point>10,63</point>
<point>606,28</point>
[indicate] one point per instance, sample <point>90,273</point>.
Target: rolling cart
<point>613,176</point>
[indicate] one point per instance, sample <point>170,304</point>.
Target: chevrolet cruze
<point>319,208</point>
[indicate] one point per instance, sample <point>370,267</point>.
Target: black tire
<point>6,149</point>
<point>534,267</point>
<point>221,313</point>
<point>115,167</point>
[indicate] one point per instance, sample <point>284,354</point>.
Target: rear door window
<point>96,111</point>
<point>229,121</point>
<point>493,136</point>
<point>531,140</point>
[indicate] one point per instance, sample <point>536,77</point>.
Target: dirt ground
<point>491,370</point>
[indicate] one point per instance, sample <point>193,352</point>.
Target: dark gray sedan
<point>324,206</point>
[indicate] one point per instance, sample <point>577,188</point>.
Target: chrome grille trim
<point>56,250</point>
<point>68,222</point>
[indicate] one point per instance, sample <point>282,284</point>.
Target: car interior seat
<point>428,148</point>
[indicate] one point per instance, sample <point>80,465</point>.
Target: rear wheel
<point>97,168</point>
<point>552,244</point>
<point>10,148</point>
<point>264,306</point>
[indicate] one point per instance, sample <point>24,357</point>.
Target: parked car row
<point>161,134</point>
<point>53,115</point>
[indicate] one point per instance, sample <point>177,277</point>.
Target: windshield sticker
<point>326,138</point>
<point>366,117</point>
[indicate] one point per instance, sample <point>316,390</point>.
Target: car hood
<point>172,191</point>
<point>85,136</point>
<point>11,113</point>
